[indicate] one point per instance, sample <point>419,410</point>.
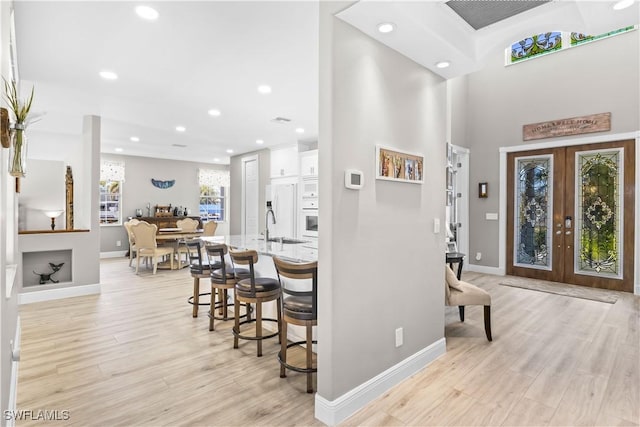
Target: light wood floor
<point>134,356</point>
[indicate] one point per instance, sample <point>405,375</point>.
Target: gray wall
<point>264,171</point>
<point>381,265</point>
<point>138,191</point>
<point>599,77</point>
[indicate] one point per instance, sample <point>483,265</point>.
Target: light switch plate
<point>491,216</point>
<point>436,225</point>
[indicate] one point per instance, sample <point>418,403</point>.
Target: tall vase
<point>18,151</point>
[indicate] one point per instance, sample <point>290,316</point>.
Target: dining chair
<point>132,241</point>
<point>186,225</point>
<point>209,228</point>
<point>147,247</point>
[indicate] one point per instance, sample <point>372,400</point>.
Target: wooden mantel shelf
<point>52,231</point>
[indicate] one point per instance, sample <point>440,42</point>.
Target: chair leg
<point>280,321</point>
<point>283,349</point>
<point>212,308</point>
<point>259,326</point>
<point>196,295</point>
<point>461,309</point>
<point>154,261</point>
<point>487,321</point>
<point>223,295</point>
<point>236,309</point>
<point>309,358</point>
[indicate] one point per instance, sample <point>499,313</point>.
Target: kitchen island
<point>294,252</point>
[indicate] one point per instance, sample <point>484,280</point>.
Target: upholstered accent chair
<point>460,293</point>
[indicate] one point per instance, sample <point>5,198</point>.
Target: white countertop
<point>297,252</point>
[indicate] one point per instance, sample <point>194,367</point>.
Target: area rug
<point>574,291</point>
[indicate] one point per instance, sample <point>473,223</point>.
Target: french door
<point>570,214</point>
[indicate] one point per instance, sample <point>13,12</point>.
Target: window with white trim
<point>213,189</point>
<point>111,181</point>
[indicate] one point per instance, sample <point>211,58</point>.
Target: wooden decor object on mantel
<point>69,198</point>
<point>4,127</point>
<point>565,127</point>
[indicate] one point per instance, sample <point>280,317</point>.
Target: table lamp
<point>53,215</point>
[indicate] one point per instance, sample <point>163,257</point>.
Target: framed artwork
<point>452,247</point>
<point>396,165</point>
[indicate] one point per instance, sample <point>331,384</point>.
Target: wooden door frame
<point>502,221</point>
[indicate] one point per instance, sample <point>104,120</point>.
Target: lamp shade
<point>53,214</point>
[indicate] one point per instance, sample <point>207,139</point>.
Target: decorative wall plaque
<point>163,184</point>
<point>564,127</point>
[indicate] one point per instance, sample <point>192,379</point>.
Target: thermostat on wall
<point>353,179</point>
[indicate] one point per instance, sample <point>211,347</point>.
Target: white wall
<point>598,77</point>
<point>42,190</point>
<point>381,265</point>
<point>138,190</point>
<point>8,237</point>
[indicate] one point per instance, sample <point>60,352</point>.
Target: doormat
<point>574,291</point>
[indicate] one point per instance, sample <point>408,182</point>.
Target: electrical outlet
<point>399,338</point>
<point>118,243</point>
<point>478,256</point>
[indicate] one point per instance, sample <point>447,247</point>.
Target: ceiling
<point>431,31</point>
<point>206,55</point>
<point>195,57</point>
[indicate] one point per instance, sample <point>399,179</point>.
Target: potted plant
<point>17,128</point>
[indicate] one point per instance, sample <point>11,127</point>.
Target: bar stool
<point>298,308</point>
<point>253,290</point>
<point>199,270</point>
<point>222,279</point>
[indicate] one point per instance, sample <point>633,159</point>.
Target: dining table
<point>175,236</point>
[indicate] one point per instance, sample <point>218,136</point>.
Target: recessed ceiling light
<point>259,141</point>
<point>108,75</point>
<point>386,27</point>
<point>264,89</point>
<point>622,4</point>
<point>181,128</point>
<point>229,151</point>
<point>216,159</point>
<point>134,139</point>
<point>148,13</point>
<point>443,64</point>
<point>214,113</point>
<point>299,130</point>
<point>118,150</point>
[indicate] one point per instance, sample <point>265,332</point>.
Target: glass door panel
<point>534,207</point>
<point>599,203</point>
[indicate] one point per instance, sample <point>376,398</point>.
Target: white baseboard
<point>335,411</point>
<point>51,294</point>
<point>114,254</point>
<point>496,271</point>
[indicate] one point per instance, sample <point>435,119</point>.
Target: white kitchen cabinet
<point>309,163</point>
<point>284,162</point>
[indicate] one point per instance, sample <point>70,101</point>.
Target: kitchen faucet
<point>266,221</point>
